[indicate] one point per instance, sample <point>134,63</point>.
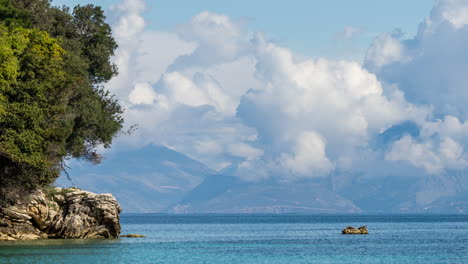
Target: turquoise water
<point>261,239</point>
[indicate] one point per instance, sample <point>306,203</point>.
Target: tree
<point>32,91</point>
<point>53,64</point>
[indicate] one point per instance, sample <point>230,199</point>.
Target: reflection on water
<point>53,250</point>
<point>57,243</point>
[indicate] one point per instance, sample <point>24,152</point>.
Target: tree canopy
<point>54,62</point>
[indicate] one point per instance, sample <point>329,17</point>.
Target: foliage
<point>53,64</point>
<point>52,191</point>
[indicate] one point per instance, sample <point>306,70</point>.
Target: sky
<point>312,28</point>
<point>275,90</point>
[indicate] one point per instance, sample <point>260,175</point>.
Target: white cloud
<point>385,49</point>
<point>453,11</point>
<point>452,151</point>
<point>142,56</point>
<point>219,39</point>
<point>419,154</point>
<point>226,97</point>
<point>255,89</point>
<point>130,22</point>
<point>338,99</point>
<point>245,151</point>
<point>431,67</point>
<point>175,102</point>
<point>450,126</point>
<point>142,93</point>
<point>433,156</point>
<point>302,99</point>
<point>183,91</point>
<point>309,158</point>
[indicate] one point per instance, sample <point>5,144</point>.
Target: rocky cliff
<point>61,213</point>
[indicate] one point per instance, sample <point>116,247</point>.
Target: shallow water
<point>261,238</point>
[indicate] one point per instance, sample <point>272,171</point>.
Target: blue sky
<point>308,27</point>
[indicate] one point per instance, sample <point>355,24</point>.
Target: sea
<point>261,238</point>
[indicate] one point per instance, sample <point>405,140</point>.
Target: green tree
<point>32,90</point>
<point>53,64</point>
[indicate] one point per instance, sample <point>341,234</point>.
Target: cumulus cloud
<point>208,30</point>
<point>430,69</point>
<point>183,88</point>
<point>228,97</point>
<point>142,93</point>
<point>305,103</point>
<point>450,126</point>
<point>385,49</point>
<point>453,11</point>
<point>418,154</point>
<point>309,158</point>
<point>138,60</point>
<point>131,23</point>
<point>433,158</point>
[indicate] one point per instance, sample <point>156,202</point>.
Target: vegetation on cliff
<point>53,106</point>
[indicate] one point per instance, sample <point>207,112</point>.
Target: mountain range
<point>156,179</point>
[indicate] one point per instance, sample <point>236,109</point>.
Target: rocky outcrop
<point>61,213</point>
<point>355,231</point>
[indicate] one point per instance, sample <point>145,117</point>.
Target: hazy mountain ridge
<point>158,179</point>
<point>145,180</point>
<point>381,195</point>
<point>265,197</point>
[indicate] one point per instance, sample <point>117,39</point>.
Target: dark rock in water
<point>61,213</point>
<point>132,235</point>
<point>355,231</point>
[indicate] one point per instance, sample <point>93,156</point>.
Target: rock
<point>132,235</point>
<point>61,213</point>
<point>355,231</point>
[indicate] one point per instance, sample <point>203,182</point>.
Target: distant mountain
<point>446,193</point>
<point>223,194</point>
<point>158,179</point>
<point>144,180</point>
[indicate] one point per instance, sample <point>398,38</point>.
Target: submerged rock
<point>355,231</point>
<point>132,235</point>
<point>61,213</point>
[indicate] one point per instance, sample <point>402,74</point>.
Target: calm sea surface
<point>261,238</point>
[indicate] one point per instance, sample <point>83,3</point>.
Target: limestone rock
<point>61,213</point>
<point>355,231</point>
